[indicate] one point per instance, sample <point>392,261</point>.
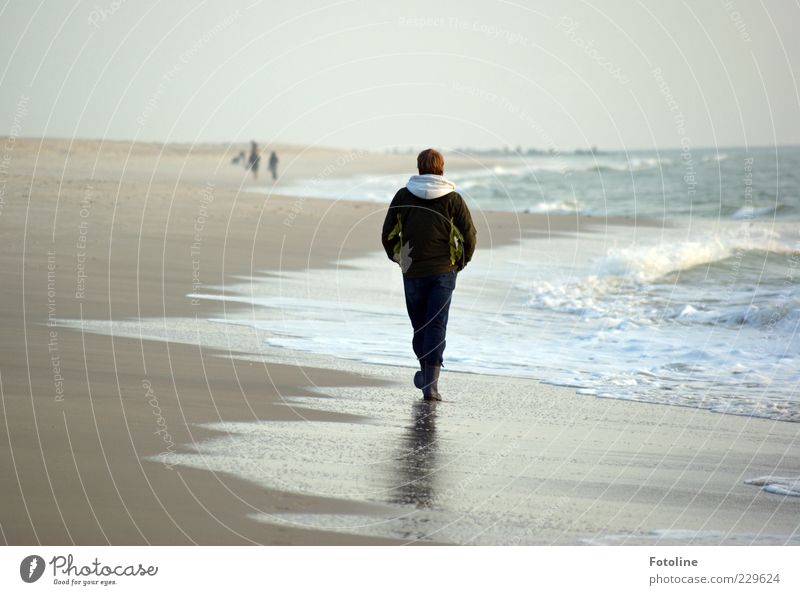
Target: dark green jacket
<point>428,236</point>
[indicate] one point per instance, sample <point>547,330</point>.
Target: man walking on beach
<point>273,165</point>
<point>428,231</point>
<point>255,158</point>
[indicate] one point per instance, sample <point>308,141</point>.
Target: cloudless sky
<point>378,74</point>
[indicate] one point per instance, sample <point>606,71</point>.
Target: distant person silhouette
<point>273,165</point>
<point>240,158</point>
<point>254,159</point>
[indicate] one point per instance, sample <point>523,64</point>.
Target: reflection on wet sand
<point>416,464</point>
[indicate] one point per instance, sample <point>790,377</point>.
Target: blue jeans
<point>428,304</point>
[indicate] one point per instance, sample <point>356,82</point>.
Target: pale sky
<point>378,74</point>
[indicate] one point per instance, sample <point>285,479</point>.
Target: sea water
<point>718,184</point>
<point>694,303</point>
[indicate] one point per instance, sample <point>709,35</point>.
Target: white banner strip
<point>382,570</point>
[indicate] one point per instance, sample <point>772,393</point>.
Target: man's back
<point>438,235</point>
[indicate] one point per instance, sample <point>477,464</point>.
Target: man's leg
<point>437,309</point>
<point>440,292</point>
<point>415,305</point>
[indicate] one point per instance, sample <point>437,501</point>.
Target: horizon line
<point>511,151</point>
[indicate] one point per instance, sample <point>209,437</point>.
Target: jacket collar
<point>429,186</point>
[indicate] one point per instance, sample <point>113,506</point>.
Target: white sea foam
<point>631,164</point>
<point>649,262</point>
<point>548,309</point>
<point>609,325</point>
<point>715,158</point>
<point>782,486</point>
<point>554,208</point>
<point>750,212</point>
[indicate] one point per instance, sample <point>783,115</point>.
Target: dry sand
<point>121,231</point>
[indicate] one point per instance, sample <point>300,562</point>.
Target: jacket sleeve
<point>463,220</point>
<point>388,224</point>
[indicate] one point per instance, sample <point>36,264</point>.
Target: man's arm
<point>463,221</point>
<point>388,224</point>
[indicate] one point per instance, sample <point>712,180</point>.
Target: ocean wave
<point>563,165</point>
<point>772,315</point>
<point>648,263</point>
<point>750,212</point>
<point>654,261</point>
<point>715,158</point>
<point>648,184</point>
<point>633,164</point>
<point>553,208</point>
<point>722,280</point>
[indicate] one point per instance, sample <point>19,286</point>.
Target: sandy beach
<point>124,433</point>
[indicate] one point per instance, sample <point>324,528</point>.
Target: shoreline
<point>82,481</point>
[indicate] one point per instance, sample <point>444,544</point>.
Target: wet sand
<point>124,232</point>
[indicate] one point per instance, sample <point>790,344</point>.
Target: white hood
<point>429,186</point>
